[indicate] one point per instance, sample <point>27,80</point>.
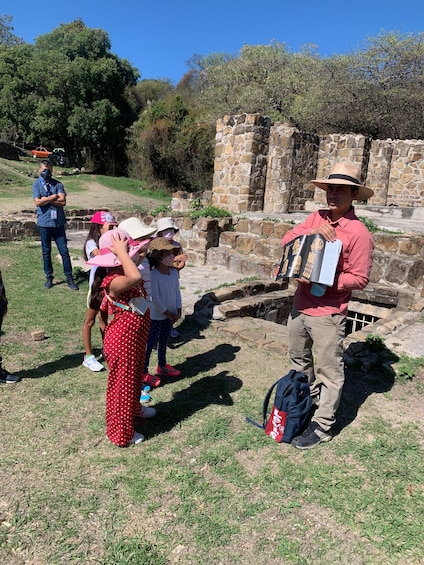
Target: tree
<point>7,37</point>
<point>74,92</point>
<point>173,147</point>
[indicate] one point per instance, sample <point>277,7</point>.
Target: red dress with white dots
<point>124,348</point>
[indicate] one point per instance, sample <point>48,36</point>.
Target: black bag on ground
<point>291,410</point>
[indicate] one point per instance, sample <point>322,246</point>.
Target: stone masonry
<point>260,166</point>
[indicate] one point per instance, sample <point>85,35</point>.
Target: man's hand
<point>326,231</point>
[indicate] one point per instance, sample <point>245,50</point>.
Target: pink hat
<point>106,257</point>
<point>103,217</point>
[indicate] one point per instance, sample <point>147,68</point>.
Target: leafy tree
<point>7,37</point>
<point>173,147</point>
<point>74,91</point>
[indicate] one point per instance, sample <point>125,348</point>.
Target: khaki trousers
<point>320,337</point>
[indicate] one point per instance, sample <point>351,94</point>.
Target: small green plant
<point>373,227</point>
<point>196,204</point>
<point>211,211</point>
<point>375,342</point>
<point>408,367</point>
<point>160,209</point>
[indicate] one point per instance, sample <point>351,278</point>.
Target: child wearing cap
<point>125,335</point>
<point>166,228</point>
<point>165,308</point>
<point>101,222</point>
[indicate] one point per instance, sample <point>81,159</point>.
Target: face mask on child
<point>168,260</point>
<point>168,234</point>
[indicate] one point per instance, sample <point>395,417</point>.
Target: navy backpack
<point>291,411</point>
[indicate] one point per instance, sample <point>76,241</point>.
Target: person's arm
<point>44,200</point>
<point>357,265</point>
<point>312,222</point>
<point>61,200</point>
<point>180,261</point>
<point>131,276</point>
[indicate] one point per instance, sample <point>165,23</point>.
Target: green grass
<point>132,186</point>
<point>206,487</point>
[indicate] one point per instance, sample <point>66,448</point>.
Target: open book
<point>311,257</point>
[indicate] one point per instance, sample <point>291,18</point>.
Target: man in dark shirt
<point>50,198</point>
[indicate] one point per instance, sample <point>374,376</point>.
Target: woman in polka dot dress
<point>125,336</point>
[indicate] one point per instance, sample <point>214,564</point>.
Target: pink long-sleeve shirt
<point>352,271</point>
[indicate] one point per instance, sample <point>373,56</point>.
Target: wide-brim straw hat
<point>135,227</point>
<point>106,257</point>
<point>348,174</point>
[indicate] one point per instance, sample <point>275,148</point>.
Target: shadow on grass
<point>368,370</point>
<point>189,329</point>
<point>46,369</point>
<point>203,362</point>
<point>208,390</point>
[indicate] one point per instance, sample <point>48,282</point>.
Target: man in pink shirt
<point>320,321</point>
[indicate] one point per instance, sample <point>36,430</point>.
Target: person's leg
<point>328,333</point>
<point>46,247</point>
<point>164,331</point>
<point>151,342</point>
<point>89,360</point>
<point>300,348</point>
<point>62,246</point>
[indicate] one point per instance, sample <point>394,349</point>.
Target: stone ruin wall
<point>260,166</point>
<point>251,247</point>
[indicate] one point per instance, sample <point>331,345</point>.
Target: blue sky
<point>159,37</point>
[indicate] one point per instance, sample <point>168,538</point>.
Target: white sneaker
<point>137,438</point>
<point>147,412</point>
<point>91,363</point>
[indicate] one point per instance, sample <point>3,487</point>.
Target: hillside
<point>83,190</point>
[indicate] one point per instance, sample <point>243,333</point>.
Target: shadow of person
<point>188,330</point>
<point>203,362</point>
<point>62,364</point>
<point>212,389</point>
<point>368,370</point>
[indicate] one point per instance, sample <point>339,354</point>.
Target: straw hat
<point>106,257</point>
<point>348,174</point>
<point>136,228</point>
<point>162,244</point>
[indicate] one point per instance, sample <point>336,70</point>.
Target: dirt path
<point>95,196</point>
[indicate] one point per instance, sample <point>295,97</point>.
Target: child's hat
<point>162,244</point>
<point>166,224</point>
<point>136,228</point>
<point>106,257</point>
<point>103,217</point>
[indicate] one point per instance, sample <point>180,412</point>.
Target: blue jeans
<point>158,337</point>
<point>57,235</point>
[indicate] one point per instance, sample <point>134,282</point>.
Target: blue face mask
<point>46,174</point>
